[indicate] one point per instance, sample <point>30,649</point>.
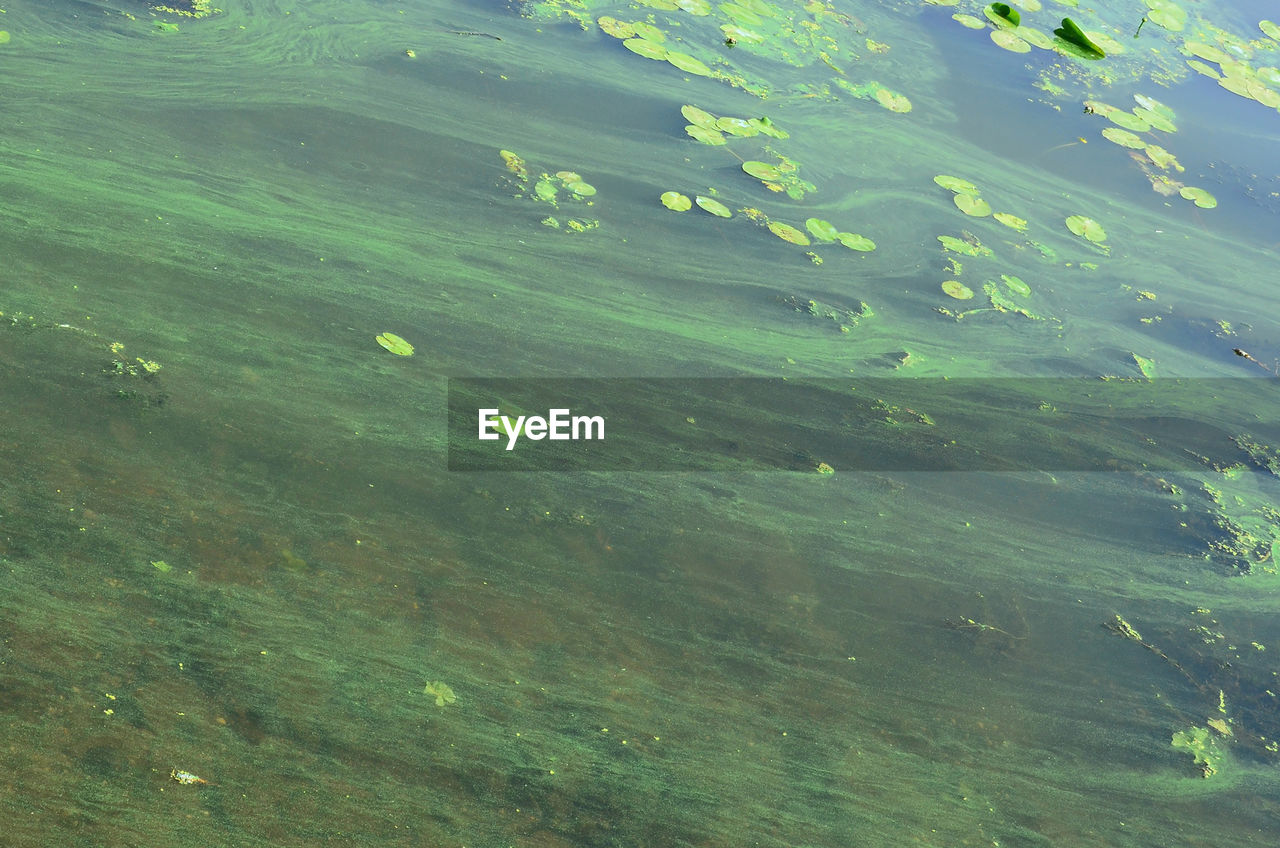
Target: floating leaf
<point>1012,221</point>
<point>715,207</point>
<point>1035,37</point>
<point>1203,69</point>
<point>1072,35</point>
<point>1202,198</point>
<point>969,20</point>
<point>786,232</point>
<point>971,204</point>
<point>1124,138</point>
<point>821,230</point>
<point>957,289</point>
<point>1086,228</point>
<point>688,64</point>
<point>1162,158</point>
<point>892,101</point>
<point>649,32</point>
<point>963,247</point>
<point>1002,14</point>
<point>768,127</point>
<point>646,48</point>
<point>581,189</point>
<point>1016,285</point>
<point>1205,51</point>
<point>704,135</point>
<point>1129,121</point>
<point>1157,120</point>
<point>514,164</point>
<point>615,27</point>
<point>1010,41</point>
<point>698,8</point>
<point>1167,15</point>
<point>737,126</point>
<point>395,344</point>
<point>545,190</point>
<point>1270,29</point>
<point>442,692</point>
<point>761,170</point>
<point>675,201</point>
<point>853,241</point>
<point>956,184</point>
<point>1146,366</point>
<point>699,117</point>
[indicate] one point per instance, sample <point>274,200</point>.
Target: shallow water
<point>248,562</point>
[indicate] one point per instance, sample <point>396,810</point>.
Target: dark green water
<point>248,562</point>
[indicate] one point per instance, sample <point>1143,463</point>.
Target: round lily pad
<point>1035,37</point>
<point>704,135</point>
<point>737,126</point>
<point>615,27</point>
<point>1157,120</point>
<point>1086,228</point>
<point>1016,285</point>
<point>969,20</point>
<point>761,170</point>
<point>1269,29</point>
<point>715,207</point>
<point>395,344</point>
<point>545,190</point>
<point>1205,51</point>
<point>649,32</point>
<point>688,64</point>
<point>768,127</point>
<point>971,204</point>
<point>675,201</point>
<point>646,48</point>
<point>1167,15</point>
<point>698,8</point>
<point>581,189</point>
<point>1009,41</point>
<point>698,117</point>
<point>821,230</point>
<point>786,232</point>
<point>1012,221</point>
<point>957,289</point>
<point>1202,198</point>
<point>1128,120</point>
<point>1124,138</point>
<point>955,184</point>
<point>853,241</point>
<point>1203,69</point>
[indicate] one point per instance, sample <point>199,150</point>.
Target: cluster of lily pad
<point>1149,114</point>
<point>645,39</point>
<point>968,200</point>
<point>820,230</point>
<point>782,177</point>
<point>874,91</point>
<point>1012,34</point>
<point>551,189</point>
<point>709,129</point>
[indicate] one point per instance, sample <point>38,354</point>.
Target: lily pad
<point>1016,285</point>
<point>1162,158</point>
<point>1124,138</point>
<point>1009,41</point>
<point>1011,221</point>
<point>768,127</point>
<point>615,27</point>
<point>581,189</point>
<point>786,232</point>
<point>955,184</point>
<point>1002,14</point>
<point>646,48</point>
<point>395,344</point>
<point>1078,43</point>
<point>545,190</point>
<point>1269,29</point>
<point>1157,120</point>
<point>649,32</point>
<point>1167,15</point>
<point>969,20</point>
<point>737,126</point>
<point>1128,120</point>
<point>761,170</point>
<point>1086,228</point>
<point>675,201</point>
<point>1202,198</point>
<point>715,207</point>
<point>821,230</point>
<point>688,64</point>
<point>971,204</point>
<point>853,241</point>
<point>704,135</point>
<point>698,117</point>
<point>958,290</point>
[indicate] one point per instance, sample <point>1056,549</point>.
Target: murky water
<point>232,544</point>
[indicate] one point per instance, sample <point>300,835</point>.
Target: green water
<point>248,562</point>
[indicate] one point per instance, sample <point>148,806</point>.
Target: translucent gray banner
<point>881,424</point>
